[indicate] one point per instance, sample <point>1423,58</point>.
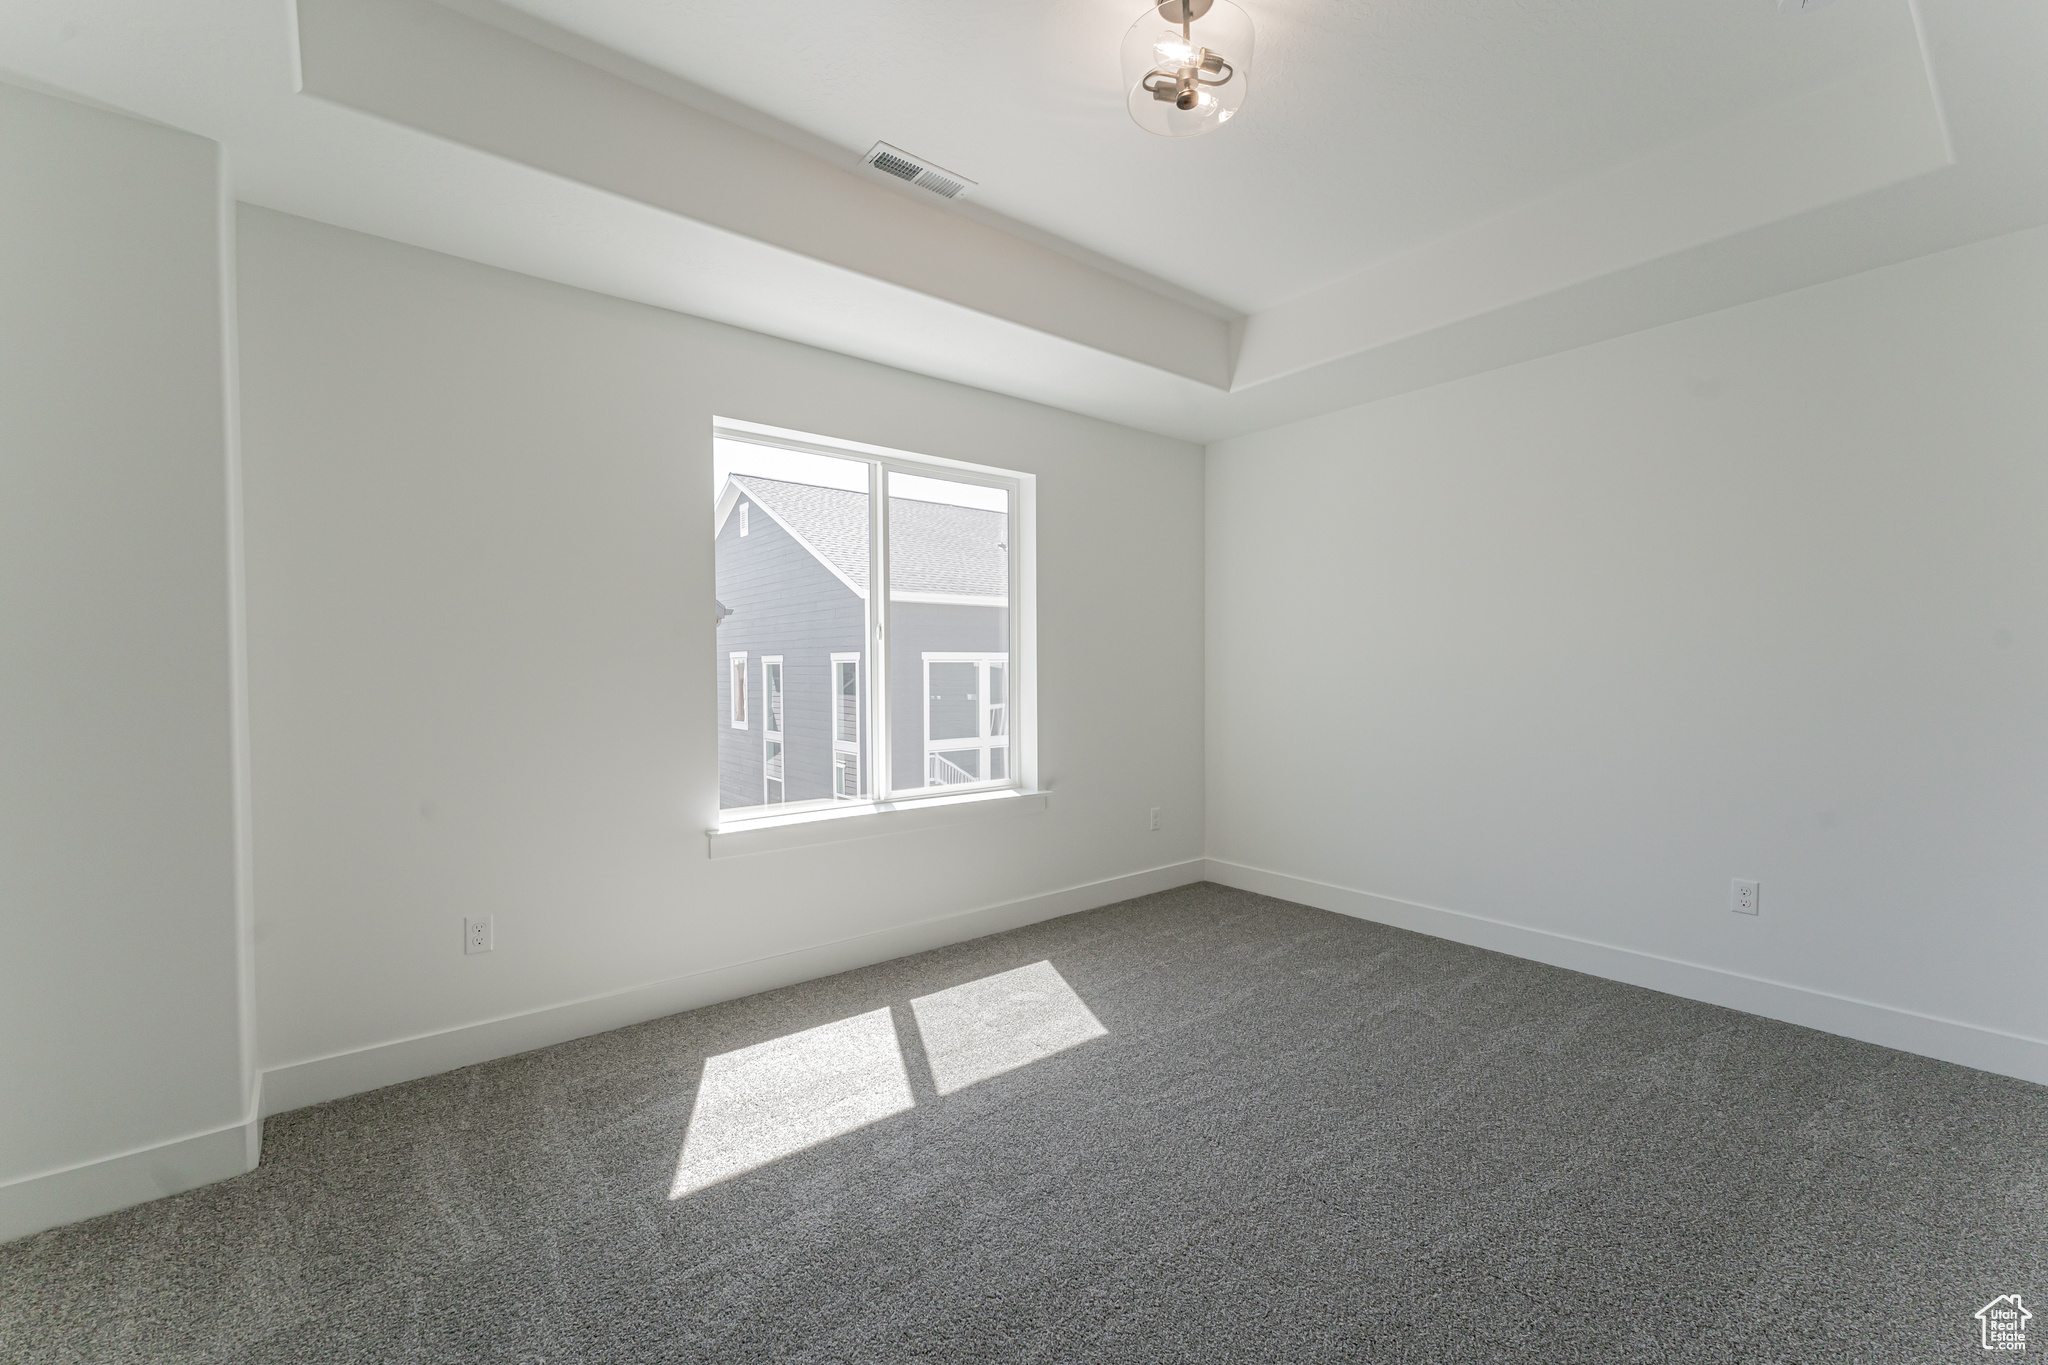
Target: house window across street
<point>965,739</point>
<point>846,726</point>
<point>772,759</point>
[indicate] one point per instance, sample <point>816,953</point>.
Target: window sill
<point>768,833</point>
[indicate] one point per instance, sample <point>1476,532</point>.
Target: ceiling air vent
<point>919,172</point>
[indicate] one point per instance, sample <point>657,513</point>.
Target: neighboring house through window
<point>865,695</point>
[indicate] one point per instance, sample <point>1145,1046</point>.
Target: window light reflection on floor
<point>774,1099</point>
<point>759,1104</point>
<point>1000,1023</point>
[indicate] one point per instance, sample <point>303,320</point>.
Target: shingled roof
<point>934,547</point>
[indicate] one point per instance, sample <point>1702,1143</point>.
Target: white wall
<point>482,661</point>
<point>1563,648</point>
<point>120,942</point>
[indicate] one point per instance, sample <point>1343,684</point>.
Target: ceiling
<point>1373,128</point>
<point>1414,191</point>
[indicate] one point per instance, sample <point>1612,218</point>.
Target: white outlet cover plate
<point>1745,898</point>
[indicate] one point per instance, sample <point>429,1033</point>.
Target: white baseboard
<point>1948,1040</point>
<point>91,1188</point>
<point>319,1079</point>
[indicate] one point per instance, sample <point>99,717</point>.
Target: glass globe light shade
<point>1181,87</point>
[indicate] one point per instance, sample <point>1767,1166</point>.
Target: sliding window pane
<point>949,612</point>
<point>792,587</point>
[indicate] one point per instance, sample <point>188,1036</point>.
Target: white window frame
<point>845,748</point>
<point>736,682</point>
<point>885,790</point>
<point>984,741</point>
<point>774,697</point>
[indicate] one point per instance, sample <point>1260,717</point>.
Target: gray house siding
<point>914,629</point>
<point>783,602</point>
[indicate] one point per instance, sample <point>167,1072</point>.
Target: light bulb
<point>1173,50</point>
<point>1209,66</point>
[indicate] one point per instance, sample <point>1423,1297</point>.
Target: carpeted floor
<point>1257,1132</point>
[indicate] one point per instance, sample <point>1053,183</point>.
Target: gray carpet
<point>1300,1138</point>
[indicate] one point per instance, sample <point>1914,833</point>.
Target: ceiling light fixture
<point>1187,64</point>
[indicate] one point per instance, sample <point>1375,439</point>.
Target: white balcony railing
<point>944,772</point>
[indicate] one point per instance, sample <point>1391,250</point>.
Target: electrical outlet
<point>1155,817</point>
<point>1745,897</point>
<point>477,936</point>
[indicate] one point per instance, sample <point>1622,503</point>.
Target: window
<point>772,760</point>
<point>883,600</point>
<point>965,736</point>
<point>845,727</point>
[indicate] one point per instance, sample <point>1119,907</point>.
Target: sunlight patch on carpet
<point>762,1103</point>
<point>759,1104</point>
<point>1000,1023</point>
